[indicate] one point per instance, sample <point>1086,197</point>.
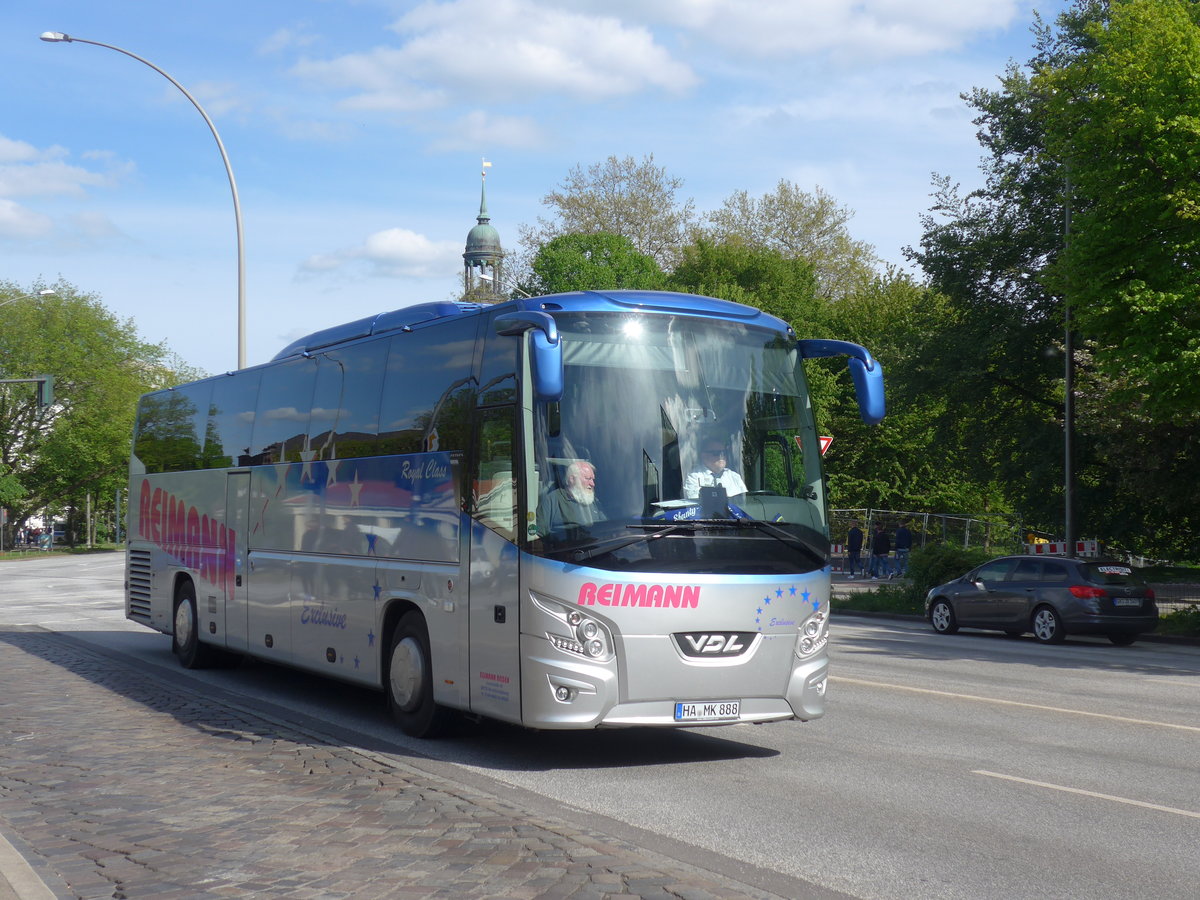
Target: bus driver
<point>712,472</point>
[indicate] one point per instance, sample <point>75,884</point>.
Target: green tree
<point>754,275</point>
<point>1123,117</point>
<point>1000,255</point>
<point>799,225</point>
<point>597,261</point>
<point>80,444</point>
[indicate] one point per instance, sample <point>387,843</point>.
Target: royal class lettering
<point>432,469</point>
<point>181,530</point>
<point>676,596</point>
<point>319,615</point>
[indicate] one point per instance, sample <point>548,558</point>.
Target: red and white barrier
<point>1059,548</point>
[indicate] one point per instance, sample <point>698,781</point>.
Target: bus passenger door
<point>495,637</point>
<point>237,516</point>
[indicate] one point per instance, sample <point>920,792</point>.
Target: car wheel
<point>410,681</point>
<point>941,617</point>
<point>185,641</point>
<point>1122,638</point>
<point>1048,626</point>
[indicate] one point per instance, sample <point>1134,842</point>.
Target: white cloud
<point>864,30</point>
<point>19,223</point>
<point>394,252</point>
<point>26,171</point>
<point>285,39</point>
<point>480,128</point>
<point>502,50</point>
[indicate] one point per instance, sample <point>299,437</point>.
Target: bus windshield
<point>680,443</point>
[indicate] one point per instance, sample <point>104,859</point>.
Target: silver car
<point>1050,596</point>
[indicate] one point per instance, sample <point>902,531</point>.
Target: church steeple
<point>483,260</point>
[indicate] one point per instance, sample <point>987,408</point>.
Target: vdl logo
<point>702,644</point>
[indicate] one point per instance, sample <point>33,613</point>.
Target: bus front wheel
<point>410,681</point>
<point>185,641</point>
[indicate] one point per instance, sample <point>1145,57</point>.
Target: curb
<point>1149,636</point>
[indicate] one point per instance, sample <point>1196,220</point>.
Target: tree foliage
<point>55,456</point>
<point>1100,123</point>
<point>598,261</point>
<point>799,225</point>
<point>1123,118</point>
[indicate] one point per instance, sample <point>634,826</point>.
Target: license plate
<point>1127,601</point>
<point>707,710</point>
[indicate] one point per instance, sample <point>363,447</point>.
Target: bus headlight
<point>814,634</point>
<point>581,635</point>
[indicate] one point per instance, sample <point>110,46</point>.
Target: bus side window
<point>170,432</point>
<point>429,389</point>
<point>493,489</point>
<point>230,420</point>
<point>281,420</point>
<point>356,432</point>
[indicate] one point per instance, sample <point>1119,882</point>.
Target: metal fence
<point>994,533</point>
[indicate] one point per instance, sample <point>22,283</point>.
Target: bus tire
<point>185,640</point>
<point>410,680</point>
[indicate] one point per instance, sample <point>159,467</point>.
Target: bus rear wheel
<point>410,681</point>
<point>185,641</point>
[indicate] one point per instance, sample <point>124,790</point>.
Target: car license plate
<point>1127,601</point>
<point>707,710</point>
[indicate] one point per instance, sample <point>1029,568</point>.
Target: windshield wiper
<point>620,543</point>
<point>780,534</point>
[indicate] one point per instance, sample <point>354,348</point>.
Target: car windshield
<point>679,443</point>
<point>1110,573</point>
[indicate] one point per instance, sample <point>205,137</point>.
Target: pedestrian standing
<point>881,546</point>
<point>854,543</point>
<point>903,548</point>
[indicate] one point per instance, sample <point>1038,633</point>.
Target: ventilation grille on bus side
<point>139,585</point>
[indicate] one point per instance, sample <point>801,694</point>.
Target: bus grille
<point>139,585</point>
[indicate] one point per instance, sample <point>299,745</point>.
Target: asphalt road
<point>971,766</point>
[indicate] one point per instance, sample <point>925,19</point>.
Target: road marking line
<point>1058,709</point>
<point>1071,790</point>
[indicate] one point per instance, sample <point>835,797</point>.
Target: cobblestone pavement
<point>113,785</point>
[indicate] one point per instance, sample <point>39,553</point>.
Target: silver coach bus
<point>508,510</point>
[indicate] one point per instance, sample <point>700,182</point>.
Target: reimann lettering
<point>674,596</point>
<point>197,541</point>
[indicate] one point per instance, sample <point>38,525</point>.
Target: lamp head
<point>55,37</point>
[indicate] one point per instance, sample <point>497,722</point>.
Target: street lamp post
<point>1070,534</point>
<point>57,37</point>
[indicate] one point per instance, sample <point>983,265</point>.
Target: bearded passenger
<point>572,506</point>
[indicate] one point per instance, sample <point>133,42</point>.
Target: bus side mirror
<point>545,348</point>
<point>865,372</point>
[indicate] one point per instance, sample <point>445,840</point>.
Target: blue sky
<point>356,130</point>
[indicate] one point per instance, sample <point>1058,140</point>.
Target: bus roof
<point>406,318</point>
